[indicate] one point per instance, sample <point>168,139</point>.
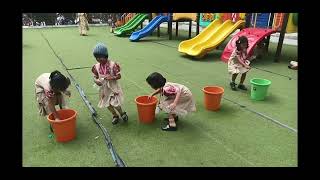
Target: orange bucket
<point>212,97</point>
<point>64,129</point>
<point>146,108</point>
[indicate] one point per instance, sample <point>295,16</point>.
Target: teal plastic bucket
<point>259,88</point>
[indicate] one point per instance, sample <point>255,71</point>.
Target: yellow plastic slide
<point>209,38</point>
<point>191,16</point>
<point>291,28</point>
<point>185,46</point>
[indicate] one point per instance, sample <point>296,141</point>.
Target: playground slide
<point>187,45</point>
<point>128,23</point>
<point>254,35</point>
<point>292,23</point>
<point>149,28</point>
<point>211,38</point>
<point>190,16</point>
<point>131,25</point>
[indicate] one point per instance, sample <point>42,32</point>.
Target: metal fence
<point>34,19</point>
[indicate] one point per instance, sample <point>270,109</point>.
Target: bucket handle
<point>254,88</point>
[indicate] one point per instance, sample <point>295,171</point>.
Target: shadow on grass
<point>26,46</point>
<point>90,35</point>
<point>152,39</point>
<point>210,57</point>
<point>271,99</point>
<point>124,36</point>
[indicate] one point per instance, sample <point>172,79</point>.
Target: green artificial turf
<point>232,136</point>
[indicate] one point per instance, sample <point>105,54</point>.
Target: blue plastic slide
<point>135,36</point>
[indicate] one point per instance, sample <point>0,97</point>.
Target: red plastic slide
<point>254,35</point>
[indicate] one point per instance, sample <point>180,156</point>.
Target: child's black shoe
<point>124,117</point>
<point>241,86</point>
<point>115,120</point>
<point>169,128</point>
<point>233,86</point>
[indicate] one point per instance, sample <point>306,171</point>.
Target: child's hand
<point>98,82</point>
<point>252,58</point>
<point>172,106</point>
<point>246,66</point>
<point>149,97</point>
<point>68,93</point>
<point>108,77</point>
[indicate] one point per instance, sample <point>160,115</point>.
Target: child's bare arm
<point>177,96</point>
<point>67,93</point>
<point>96,76</point>
<point>155,92</point>
<point>98,82</point>
<point>176,99</point>
<point>52,108</point>
<point>118,76</point>
<point>241,61</point>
